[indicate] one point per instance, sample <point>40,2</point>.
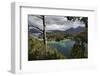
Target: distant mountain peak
<point>70,30</point>
<point>78,29</point>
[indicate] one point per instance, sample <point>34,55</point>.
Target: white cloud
<point>35,21</point>
<point>77,23</point>
<point>55,27</point>
<point>54,22</point>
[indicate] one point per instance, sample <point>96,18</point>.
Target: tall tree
<point>79,49</point>
<point>44,33</point>
<point>42,17</point>
<point>85,21</point>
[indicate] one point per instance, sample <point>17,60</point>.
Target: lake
<point>63,46</point>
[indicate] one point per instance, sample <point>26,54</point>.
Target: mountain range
<point>70,30</point>
<point>33,29</point>
<point>75,30</point>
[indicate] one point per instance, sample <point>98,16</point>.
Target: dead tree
<point>42,17</point>
<point>44,33</point>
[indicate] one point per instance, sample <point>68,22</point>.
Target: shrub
<point>36,51</point>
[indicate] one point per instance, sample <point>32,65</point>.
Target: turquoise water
<point>63,46</point>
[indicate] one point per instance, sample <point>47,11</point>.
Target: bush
<point>36,51</point>
<point>77,52</point>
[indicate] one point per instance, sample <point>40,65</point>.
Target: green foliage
<point>82,36</point>
<point>36,51</point>
<point>57,36</point>
<point>77,52</point>
<point>79,49</point>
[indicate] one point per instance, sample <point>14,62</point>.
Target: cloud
<point>59,20</point>
<point>55,27</point>
<point>54,22</point>
<point>35,21</point>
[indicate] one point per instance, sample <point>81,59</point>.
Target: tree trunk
<point>44,34</point>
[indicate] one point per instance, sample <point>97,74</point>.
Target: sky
<point>54,22</point>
